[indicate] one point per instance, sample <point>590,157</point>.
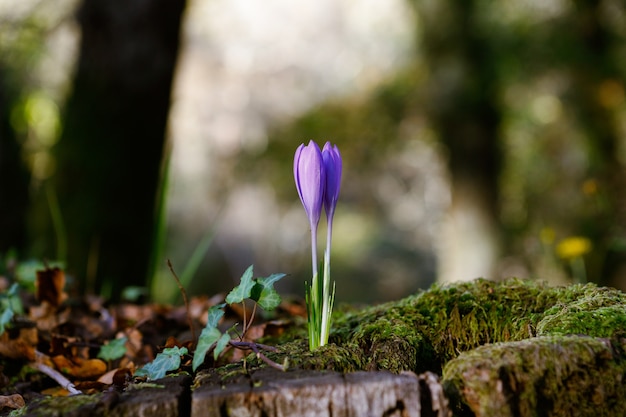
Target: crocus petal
<point>333,168</point>
<point>310,179</point>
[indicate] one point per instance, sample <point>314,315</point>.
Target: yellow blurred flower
<point>573,247</point>
<point>590,187</point>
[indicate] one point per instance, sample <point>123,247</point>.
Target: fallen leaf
<point>113,350</point>
<point>90,387</point>
<point>277,327</point>
<point>46,316</point>
<point>20,347</point>
<point>12,401</point>
<point>80,368</point>
<point>293,308</point>
<point>117,376</point>
<point>56,392</point>
<point>122,377</point>
<point>50,286</point>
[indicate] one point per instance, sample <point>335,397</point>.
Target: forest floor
<point>52,345</point>
<point>479,348</point>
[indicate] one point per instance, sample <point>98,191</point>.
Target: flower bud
<point>332,168</point>
<point>310,178</point>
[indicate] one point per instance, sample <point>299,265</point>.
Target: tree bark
<point>14,177</point>
<point>270,393</point>
<point>111,150</point>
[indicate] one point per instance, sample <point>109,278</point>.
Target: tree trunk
<point>13,177</point>
<point>111,150</point>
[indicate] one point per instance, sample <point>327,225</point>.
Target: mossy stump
<point>517,348</point>
<point>513,348</point>
<point>271,393</point>
<point>167,397</point>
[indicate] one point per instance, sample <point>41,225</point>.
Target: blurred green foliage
<point>550,79</point>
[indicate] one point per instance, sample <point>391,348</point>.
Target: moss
<point>426,330</point>
<point>456,329</point>
<point>599,312</point>
<point>75,405</point>
<point>549,375</point>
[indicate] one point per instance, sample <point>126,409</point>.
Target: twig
<point>247,323</point>
<point>255,348</point>
<point>186,301</point>
<point>57,376</point>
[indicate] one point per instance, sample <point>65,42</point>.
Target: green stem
<point>314,250</point>
<point>327,296</point>
<point>313,296</point>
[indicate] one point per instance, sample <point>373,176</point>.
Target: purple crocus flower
<point>318,180</point>
<point>310,178</point>
<point>332,167</point>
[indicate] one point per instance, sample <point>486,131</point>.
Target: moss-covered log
<point>526,323</point>
<point>426,330</point>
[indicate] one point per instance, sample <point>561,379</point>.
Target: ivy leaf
<point>168,360</point>
<point>221,345</point>
<point>264,293</point>
<point>113,350</point>
<point>243,290</point>
<point>215,314</point>
<point>13,290</point>
<point>5,318</point>
<point>208,337</point>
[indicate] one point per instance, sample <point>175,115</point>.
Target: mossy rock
<point>542,376</point>
<point>442,328</point>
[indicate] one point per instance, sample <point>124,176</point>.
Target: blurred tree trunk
<point>461,105</point>
<point>13,178</point>
<point>110,152</point>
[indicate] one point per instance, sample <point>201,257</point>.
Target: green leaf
<point>264,293</point>
<point>215,314</point>
<point>113,350</point>
<point>14,290</point>
<point>208,337</point>
<point>168,360</point>
<point>11,298</point>
<point>221,345</point>
<point>243,290</point>
<point>5,318</point>
<point>134,293</point>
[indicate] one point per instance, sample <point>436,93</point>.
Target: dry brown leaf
<point>20,347</point>
<point>276,327</point>
<point>12,401</point>
<point>80,368</point>
<point>56,392</point>
<point>107,378</point>
<point>134,344</point>
<point>90,387</point>
<point>50,286</point>
<point>118,377</point>
<point>48,317</point>
<point>293,308</point>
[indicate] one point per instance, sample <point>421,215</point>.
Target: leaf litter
<point>54,344</point>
